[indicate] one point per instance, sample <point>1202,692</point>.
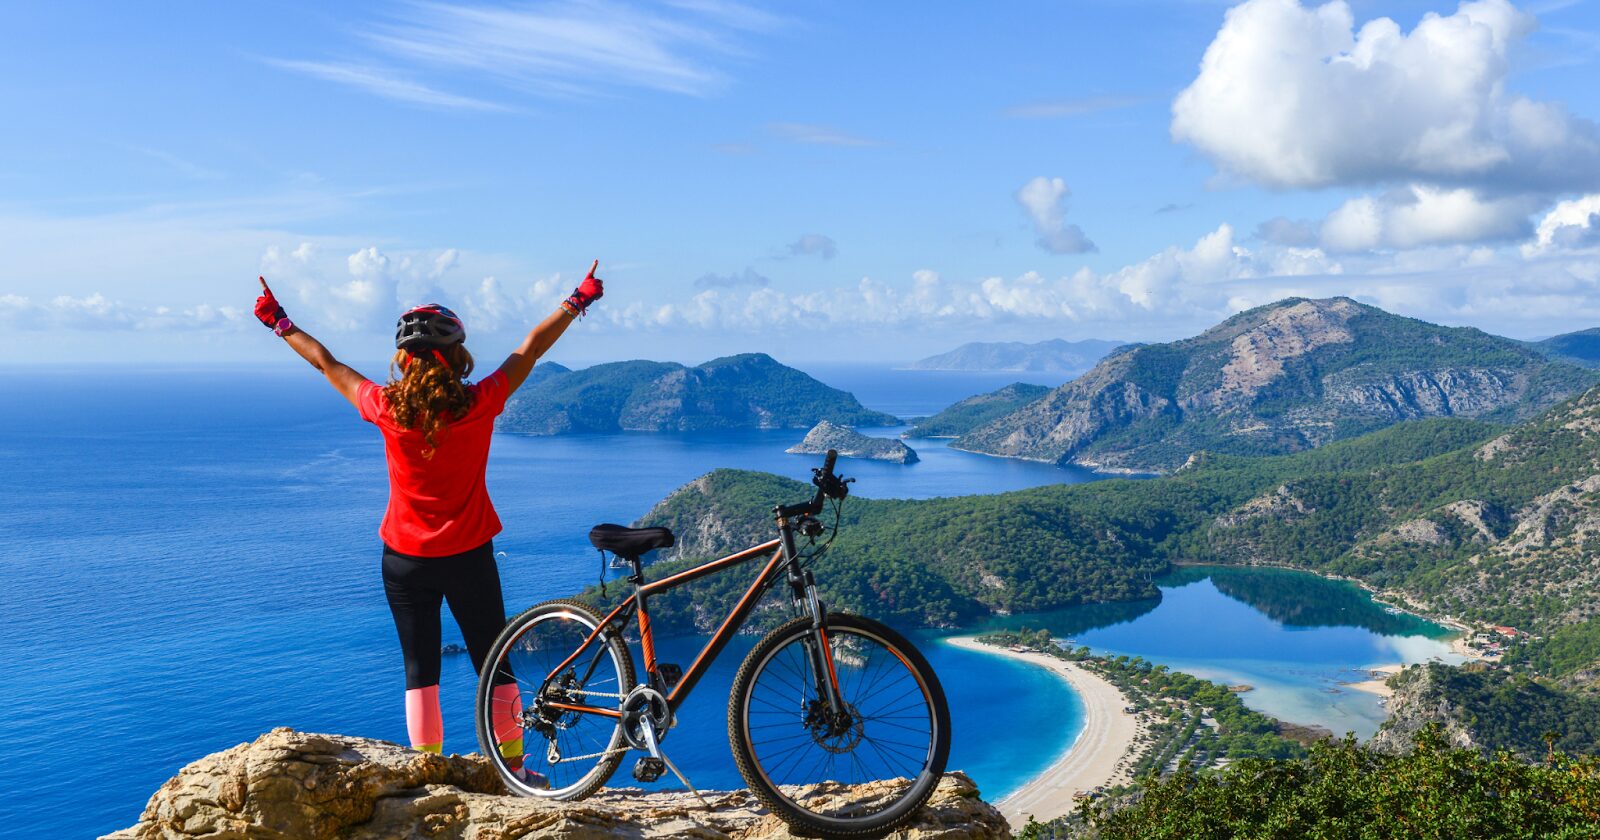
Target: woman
<point>438,531</point>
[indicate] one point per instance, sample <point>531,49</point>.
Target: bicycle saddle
<point>630,542</point>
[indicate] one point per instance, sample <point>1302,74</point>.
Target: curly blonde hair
<point>422,393</point>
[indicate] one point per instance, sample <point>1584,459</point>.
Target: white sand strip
<point>1092,760</point>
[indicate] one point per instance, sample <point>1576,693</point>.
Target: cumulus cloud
<point>1419,216</point>
<point>813,244</point>
<point>1295,96</point>
<point>1176,282</point>
<point>1045,199</point>
<point>1570,225</point>
<point>96,312</point>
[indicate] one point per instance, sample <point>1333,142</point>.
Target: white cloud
<point>1419,216</point>
<point>814,244</point>
<point>1177,282</point>
<point>552,49</point>
<point>1291,96</point>
<point>1570,225</point>
<point>1045,201</point>
<point>98,313</point>
<point>386,83</point>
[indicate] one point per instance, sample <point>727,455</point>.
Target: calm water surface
<point>191,558</point>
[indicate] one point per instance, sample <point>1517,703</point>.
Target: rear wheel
<point>576,751</point>
<point>796,752</point>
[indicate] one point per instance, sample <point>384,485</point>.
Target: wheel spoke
<point>798,741</point>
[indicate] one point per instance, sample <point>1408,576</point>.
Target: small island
<point>850,443</point>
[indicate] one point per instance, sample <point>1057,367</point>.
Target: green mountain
<point>973,412</point>
<point>747,391</point>
<point>1453,516</point>
<point>1578,348</point>
<point>1053,356</point>
<point>1281,378</point>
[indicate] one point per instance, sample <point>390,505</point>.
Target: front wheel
<point>797,752</point>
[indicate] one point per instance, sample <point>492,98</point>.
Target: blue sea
<point>191,558</point>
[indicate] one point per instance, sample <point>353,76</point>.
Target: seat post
<point>637,578</point>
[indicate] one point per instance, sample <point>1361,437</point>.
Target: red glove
<point>590,290</point>
<point>270,313</point>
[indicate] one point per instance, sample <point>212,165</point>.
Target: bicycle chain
<point>564,759</point>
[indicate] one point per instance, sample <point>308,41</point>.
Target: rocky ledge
<point>852,444</point>
<point>289,785</point>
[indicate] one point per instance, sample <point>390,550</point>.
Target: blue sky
<point>818,180</point>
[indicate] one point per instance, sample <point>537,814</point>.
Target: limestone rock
<point>852,444</point>
<point>289,785</point>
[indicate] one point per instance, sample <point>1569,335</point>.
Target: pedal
<point>670,674</point>
<point>648,768</point>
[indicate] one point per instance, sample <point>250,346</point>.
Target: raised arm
<point>539,340</point>
<point>341,376</point>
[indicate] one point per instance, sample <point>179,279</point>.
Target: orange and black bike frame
<point>783,560</point>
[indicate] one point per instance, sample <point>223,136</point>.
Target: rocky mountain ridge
<point>1280,378</point>
<point>289,785</point>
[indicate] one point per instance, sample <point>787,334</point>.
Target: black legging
<point>469,581</point>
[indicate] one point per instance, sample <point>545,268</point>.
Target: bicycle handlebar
<point>829,486</point>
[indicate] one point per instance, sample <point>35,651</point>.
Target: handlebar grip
<point>827,463</point>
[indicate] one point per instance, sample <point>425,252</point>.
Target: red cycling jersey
<point>438,506</point>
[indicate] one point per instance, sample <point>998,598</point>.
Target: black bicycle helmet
<point>428,327</point>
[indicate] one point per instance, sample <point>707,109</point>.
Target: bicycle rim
<point>891,736</point>
<point>575,751</point>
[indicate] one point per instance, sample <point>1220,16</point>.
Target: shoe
<point>537,781</point>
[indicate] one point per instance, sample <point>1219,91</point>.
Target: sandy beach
<point>1093,759</point>
<point>1378,685</point>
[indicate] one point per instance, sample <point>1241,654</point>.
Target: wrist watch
<point>284,327</point>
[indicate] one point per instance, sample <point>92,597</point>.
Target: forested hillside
<point>973,412</point>
<point>1457,517</point>
<point>748,391</point>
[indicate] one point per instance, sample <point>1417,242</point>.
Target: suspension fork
<point>803,587</point>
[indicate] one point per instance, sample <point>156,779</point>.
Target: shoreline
<point>1095,756</point>
<point>1376,684</point>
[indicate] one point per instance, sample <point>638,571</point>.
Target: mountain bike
<point>824,702</point>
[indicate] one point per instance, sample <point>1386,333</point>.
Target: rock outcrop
<point>850,443</point>
<point>289,785</point>
<point>1280,378</point>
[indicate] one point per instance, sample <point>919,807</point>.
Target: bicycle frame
<point>783,560</point>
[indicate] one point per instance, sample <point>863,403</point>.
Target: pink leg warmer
<point>507,717</point>
<point>424,721</point>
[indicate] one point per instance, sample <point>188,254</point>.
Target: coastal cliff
<point>850,443</point>
<point>293,785</point>
<point>748,391</point>
<point>1281,378</point>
